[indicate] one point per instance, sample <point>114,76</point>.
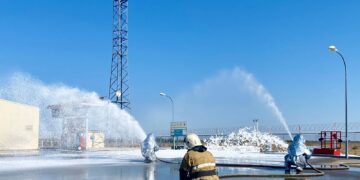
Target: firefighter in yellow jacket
<point>198,163</point>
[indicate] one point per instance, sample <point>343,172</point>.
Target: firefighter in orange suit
<point>198,163</point>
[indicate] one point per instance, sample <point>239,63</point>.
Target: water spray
<point>101,115</point>
<point>264,95</point>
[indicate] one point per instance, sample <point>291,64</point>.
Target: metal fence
<point>53,143</point>
<point>310,131</point>
<point>352,136</point>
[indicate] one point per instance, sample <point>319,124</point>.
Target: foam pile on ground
<point>246,140</point>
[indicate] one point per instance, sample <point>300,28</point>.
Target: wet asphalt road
<point>139,170</point>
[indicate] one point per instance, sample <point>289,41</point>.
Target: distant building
<point>19,126</point>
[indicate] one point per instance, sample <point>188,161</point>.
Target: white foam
<point>247,141</point>
<point>54,159</point>
<point>227,156</point>
<point>57,159</point>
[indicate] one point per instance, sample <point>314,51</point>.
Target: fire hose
<point>318,171</point>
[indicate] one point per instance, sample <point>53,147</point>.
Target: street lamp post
<point>172,104</point>
<point>334,49</point>
<point>172,108</point>
<point>256,124</point>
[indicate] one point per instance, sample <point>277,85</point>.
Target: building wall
<point>95,140</point>
<point>19,126</point>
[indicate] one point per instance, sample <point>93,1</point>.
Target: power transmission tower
<point>119,88</point>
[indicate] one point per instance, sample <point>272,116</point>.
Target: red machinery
<point>82,142</point>
<point>330,143</point>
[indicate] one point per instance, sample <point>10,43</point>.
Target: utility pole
<point>119,87</point>
<point>256,125</point>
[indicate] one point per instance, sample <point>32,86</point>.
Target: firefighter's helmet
<point>192,140</point>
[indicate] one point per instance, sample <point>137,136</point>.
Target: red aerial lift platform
<point>330,143</point>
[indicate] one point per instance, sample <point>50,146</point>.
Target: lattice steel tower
<point>119,88</point>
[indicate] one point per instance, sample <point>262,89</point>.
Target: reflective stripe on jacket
<point>199,161</point>
<point>201,166</point>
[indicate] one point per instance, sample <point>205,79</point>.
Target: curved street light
<point>172,107</point>
<point>172,103</point>
<point>334,49</point>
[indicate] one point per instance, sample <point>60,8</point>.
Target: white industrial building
<point>19,126</point>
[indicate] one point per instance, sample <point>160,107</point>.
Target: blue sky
<point>175,46</point>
